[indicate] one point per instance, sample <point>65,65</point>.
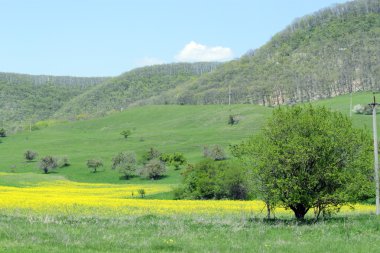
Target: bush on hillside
<point>94,164</point>
<point>63,162</point>
<point>30,155</point>
<point>154,169</point>
<point>48,163</point>
<point>214,180</point>
<point>3,132</point>
<point>176,159</point>
<point>125,163</point>
<point>151,154</point>
<point>233,120</point>
<point>362,109</point>
<point>214,152</point>
<point>126,133</point>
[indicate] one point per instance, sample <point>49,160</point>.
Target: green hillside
<point>30,98</point>
<point>331,52</point>
<point>134,87</point>
<point>169,128</point>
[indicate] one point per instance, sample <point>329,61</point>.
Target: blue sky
<point>109,37</point>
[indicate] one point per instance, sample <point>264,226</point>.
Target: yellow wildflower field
<point>65,197</point>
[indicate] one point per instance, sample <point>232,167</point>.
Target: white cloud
<point>149,61</point>
<point>194,52</point>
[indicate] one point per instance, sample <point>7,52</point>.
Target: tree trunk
<point>299,210</point>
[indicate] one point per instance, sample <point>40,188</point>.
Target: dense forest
<point>331,52</point>
<point>30,98</point>
<point>134,87</point>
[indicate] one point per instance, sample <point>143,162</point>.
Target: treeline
<point>133,87</point>
<point>332,52</point>
<point>13,78</point>
<point>26,99</point>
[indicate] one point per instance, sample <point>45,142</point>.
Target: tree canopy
<point>308,157</point>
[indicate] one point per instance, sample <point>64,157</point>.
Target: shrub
<point>175,159</point>
<point>125,163</point>
<point>30,155</point>
<point>214,152</point>
<point>3,132</point>
<point>48,163</point>
<point>214,180</point>
<point>154,169</point>
<point>126,133</point>
<point>63,162</point>
<point>362,109</point>
<point>151,154</point>
<point>233,120</point>
<point>94,164</point>
<point>141,192</point>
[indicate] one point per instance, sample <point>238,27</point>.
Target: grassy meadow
<point>75,210</point>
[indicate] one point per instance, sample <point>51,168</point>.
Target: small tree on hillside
<point>48,163</point>
<point>3,133</point>
<point>308,158</point>
<point>154,169</point>
<point>214,152</point>
<point>151,154</point>
<point>126,133</point>
<point>94,164</point>
<point>125,163</point>
<point>175,159</point>
<point>30,155</point>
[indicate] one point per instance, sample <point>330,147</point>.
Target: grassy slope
<point>169,128</point>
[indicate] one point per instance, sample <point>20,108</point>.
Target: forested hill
<point>19,79</point>
<point>333,51</point>
<point>133,87</point>
<point>29,98</point>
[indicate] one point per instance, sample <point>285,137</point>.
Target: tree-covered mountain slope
<point>36,97</point>
<point>134,87</point>
<point>333,51</point>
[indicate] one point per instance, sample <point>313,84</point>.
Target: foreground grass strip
<point>176,233</point>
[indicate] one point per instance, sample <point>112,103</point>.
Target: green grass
<point>168,128</point>
<point>187,234</point>
<point>183,129</point>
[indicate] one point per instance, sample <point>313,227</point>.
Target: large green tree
<point>309,157</point>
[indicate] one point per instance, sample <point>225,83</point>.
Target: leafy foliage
<point>126,133</point>
<point>151,154</point>
<point>154,169</point>
<point>125,163</point>
<point>48,163</point>
<point>63,161</point>
<point>141,192</point>
<point>30,155</point>
<point>362,109</point>
<point>233,120</point>
<point>214,180</point>
<point>94,164</point>
<point>309,158</point>
<point>3,133</point>
<point>214,152</point>
<point>176,159</point>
